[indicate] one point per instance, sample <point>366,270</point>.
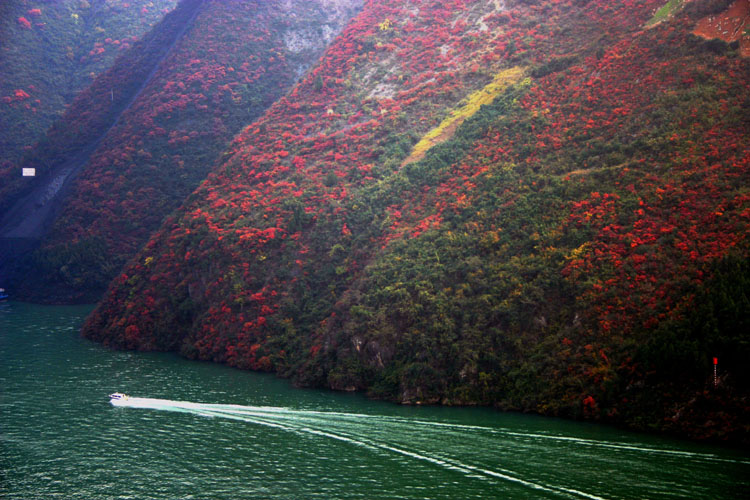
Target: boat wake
<point>410,437</point>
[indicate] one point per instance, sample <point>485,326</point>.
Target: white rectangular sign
<point>29,172</point>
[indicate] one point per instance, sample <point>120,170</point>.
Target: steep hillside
<point>49,51</point>
<point>541,206</point>
<point>232,61</point>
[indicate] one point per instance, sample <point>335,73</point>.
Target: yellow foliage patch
<point>580,252</point>
<point>386,25</point>
<point>448,126</point>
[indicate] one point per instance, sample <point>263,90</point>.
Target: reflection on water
<point>207,431</point>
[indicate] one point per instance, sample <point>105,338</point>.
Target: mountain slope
<point>540,256</point>
<point>233,61</point>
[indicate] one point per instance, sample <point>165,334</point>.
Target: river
<point>200,430</point>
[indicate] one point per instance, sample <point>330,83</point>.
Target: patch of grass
<point>486,95</point>
<point>665,11</point>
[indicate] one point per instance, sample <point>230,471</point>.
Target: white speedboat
<point>117,397</point>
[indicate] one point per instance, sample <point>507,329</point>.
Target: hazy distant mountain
<point>51,50</point>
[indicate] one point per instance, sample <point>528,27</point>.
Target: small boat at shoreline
<point>3,295</point>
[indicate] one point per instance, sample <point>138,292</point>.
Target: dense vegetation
<point>49,51</point>
<point>578,246</point>
<point>234,59</point>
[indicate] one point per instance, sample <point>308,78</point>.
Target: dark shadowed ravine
<point>201,430</point>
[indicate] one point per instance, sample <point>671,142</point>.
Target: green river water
<point>208,431</point>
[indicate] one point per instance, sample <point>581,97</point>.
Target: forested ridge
<point>568,238</point>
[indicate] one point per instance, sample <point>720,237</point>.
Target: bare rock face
<point>305,35</point>
<point>340,10</point>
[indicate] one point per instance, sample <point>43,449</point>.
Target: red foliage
<point>590,408</point>
<point>20,95</point>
